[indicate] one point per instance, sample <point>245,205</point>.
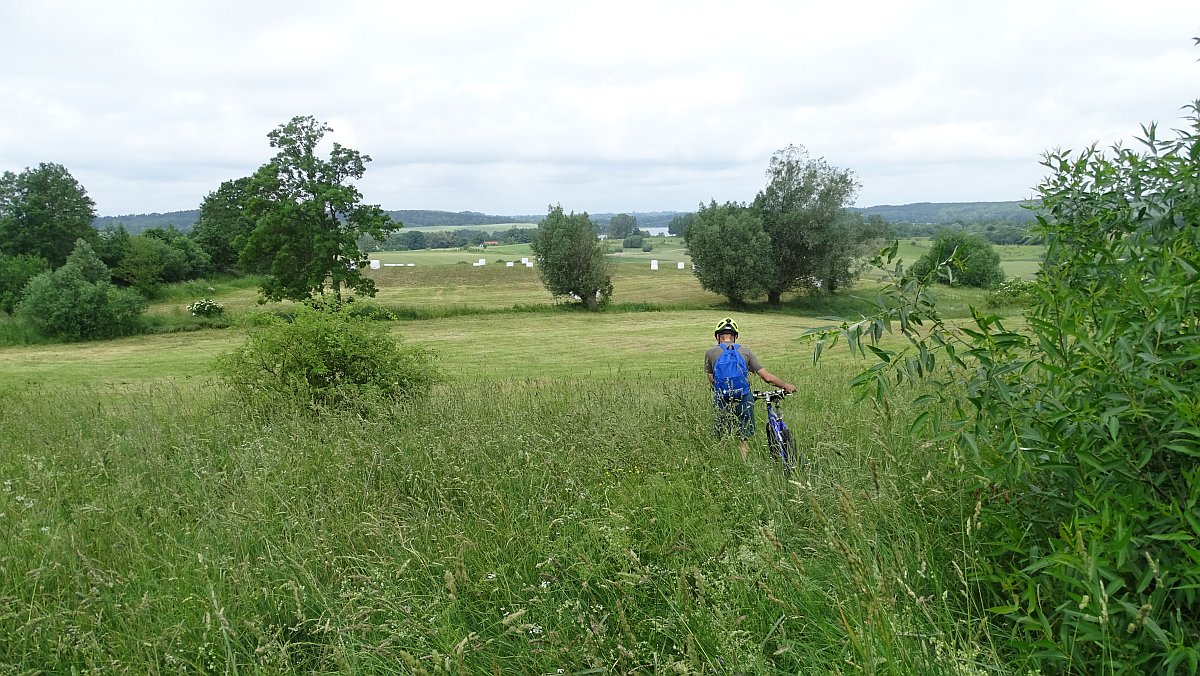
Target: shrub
<point>325,357</point>
<point>966,258</point>
<point>1012,292</point>
<point>1080,447</point>
<point>634,241</point>
<point>76,301</point>
<point>206,307</point>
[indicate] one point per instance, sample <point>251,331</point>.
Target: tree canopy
<point>621,226</point>
<point>803,211</point>
<point>43,211</point>
<point>309,216</point>
<point>224,223</point>
<point>571,260</point>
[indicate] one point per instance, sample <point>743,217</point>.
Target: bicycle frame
<point>779,438</point>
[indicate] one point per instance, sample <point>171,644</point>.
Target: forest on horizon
<point>924,213</point>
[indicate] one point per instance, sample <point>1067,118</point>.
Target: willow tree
<point>571,260</point>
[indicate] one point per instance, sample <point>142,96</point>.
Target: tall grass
<point>523,526</point>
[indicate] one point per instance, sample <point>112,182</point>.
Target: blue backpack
<point>730,374</point>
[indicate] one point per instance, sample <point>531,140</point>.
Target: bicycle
<point>779,437</point>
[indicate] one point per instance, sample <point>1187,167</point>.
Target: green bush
<point>1081,442</point>
<point>634,241</point>
<point>1012,292</point>
<point>76,301</point>
<point>961,258</point>
<point>15,273</point>
<point>1094,441</point>
<point>325,357</point>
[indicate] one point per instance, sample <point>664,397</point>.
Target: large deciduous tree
<point>309,216</point>
<point>803,211</point>
<point>571,259</point>
<point>43,211</point>
<point>731,251</point>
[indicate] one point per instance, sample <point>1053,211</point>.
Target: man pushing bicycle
<point>728,365</point>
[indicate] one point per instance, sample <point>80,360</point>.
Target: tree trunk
<point>773,297</point>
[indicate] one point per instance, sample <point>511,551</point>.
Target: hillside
<point>920,212</point>
<point>135,223</point>
<point>944,213</point>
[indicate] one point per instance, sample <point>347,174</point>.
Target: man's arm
<point>770,378</point>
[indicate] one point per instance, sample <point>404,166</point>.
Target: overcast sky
<point>506,107</point>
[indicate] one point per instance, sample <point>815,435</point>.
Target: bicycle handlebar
<point>772,395</point>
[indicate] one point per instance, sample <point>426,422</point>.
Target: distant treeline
<point>424,217</point>
<point>997,222</point>
<point>945,213</point>
<point>137,223</point>
<point>409,240</point>
<point>1000,222</point>
<point>184,220</point>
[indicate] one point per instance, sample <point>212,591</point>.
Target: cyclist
<point>732,400</point>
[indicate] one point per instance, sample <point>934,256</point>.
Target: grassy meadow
<point>559,505</point>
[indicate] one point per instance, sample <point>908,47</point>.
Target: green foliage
<point>309,217</point>
<point>1082,435</point>
<point>111,244</point>
<point>143,265</point>
<point>325,357</point>
<point>634,241</point>
<point>622,226</point>
<point>731,251</point>
<point>679,225</point>
<point>571,261</point>
<point>225,219</point>
<point>1002,232</point>
<point>77,302</point>
<point>15,273</point>
<point>941,214</point>
<point>967,259</point>
<point>814,240</point>
<point>42,212</point>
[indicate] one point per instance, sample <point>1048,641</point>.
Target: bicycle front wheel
<point>783,447</point>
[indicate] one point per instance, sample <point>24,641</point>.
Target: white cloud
<point>506,107</point>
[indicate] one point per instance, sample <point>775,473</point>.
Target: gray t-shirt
<point>714,353</point>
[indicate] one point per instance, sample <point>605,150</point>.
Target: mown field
<point>558,505</point>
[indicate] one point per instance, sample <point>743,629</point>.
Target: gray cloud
<point>507,107</point>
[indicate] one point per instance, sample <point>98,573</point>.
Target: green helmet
<point>726,325</point>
